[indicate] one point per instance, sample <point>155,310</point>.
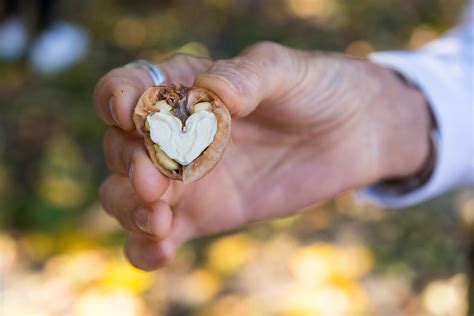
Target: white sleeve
<point>443,70</point>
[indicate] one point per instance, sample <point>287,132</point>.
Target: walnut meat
<point>186,129</point>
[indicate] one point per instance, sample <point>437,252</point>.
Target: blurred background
<point>61,255</point>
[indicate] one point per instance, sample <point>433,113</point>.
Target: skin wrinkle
<point>270,55</point>
<point>263,134</point>
<point>121,211</point>
<point>270,170</point>
<point>332,86</point>
<point>281,169</point>
<point>103,200</point>
<point>242,74</point>
<point>123,148</point>
<point>374,138</point>
<point>257,202</point>
<point>278,55</point>
<point>286,90</point>
<point>411,123</point>
<point>240,205</point>
<point>181,230</point>
<point>235,109</point>
<point>374,147</point>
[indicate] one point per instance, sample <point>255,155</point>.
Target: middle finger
<point>125,154</point>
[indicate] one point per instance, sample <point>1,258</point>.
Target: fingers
<point>120,201</point>
<point>125,154</point>
<point>263,71</point>
<point>148,254</point>
<point>155,232</point>
<point>118,91</point>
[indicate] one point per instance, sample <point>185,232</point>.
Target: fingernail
<point>131,169</point>
<point>112,110</point>
<point>141,216</point>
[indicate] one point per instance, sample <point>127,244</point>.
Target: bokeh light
<point>444,297</point>
<point>228,254</point>
<point>313,8</point>
<point>421,35</point>
<point>359,49</point>
<point>130,33</point>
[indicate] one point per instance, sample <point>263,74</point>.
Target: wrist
<point>404,125</point>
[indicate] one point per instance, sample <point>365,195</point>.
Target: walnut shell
<point>182,99</point>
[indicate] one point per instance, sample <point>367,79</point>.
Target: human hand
<point>306,126</point>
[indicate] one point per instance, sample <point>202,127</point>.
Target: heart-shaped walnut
<point>186,129</point>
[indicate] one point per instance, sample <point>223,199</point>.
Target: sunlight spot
<point>421,35</point>
<point>445,297</point>
<point>8,253</point>
<point>359,49</point>
<point>312,8</point>
<point>120,274</point>
<point>98,301</point>
<point>194,49</point>
<point>314,264</point>
<point>60,190</point>
<point>233,305</point>
<point>199,287</point>
<point>80,267</point>
<point>229,253</point>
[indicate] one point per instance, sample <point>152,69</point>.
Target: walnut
<point>186,129</point>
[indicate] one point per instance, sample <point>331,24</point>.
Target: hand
<point>306,127</point>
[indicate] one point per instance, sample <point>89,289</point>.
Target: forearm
<point>402,123</point>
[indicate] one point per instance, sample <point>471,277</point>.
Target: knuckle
<point>108,148</point>
<point>186,58</point>
<point>265,47</point>
<point>104,196</point>
<point>134,157</point>
<point>242,72</point>
<point>184,68</point>
<point>181,60</point>
<point>125,156</point>
<point>178,56</point>
<point>109,137</point>
<point>112,149</point>
<point>270,54</point>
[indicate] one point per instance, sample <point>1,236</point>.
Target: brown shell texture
<point>212,154</point>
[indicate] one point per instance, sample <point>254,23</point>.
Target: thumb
<point>262,72</point>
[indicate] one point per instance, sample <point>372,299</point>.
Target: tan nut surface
<point>182,102</point>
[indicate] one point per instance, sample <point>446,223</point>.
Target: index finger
<point>116,94</point>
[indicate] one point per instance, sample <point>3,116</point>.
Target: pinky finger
<point>149,254</point>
